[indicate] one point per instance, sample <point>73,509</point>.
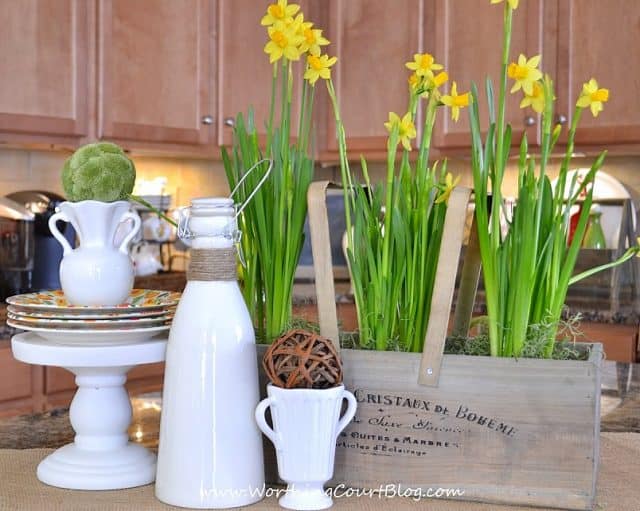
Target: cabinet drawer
<point>151,371</point>
<point>57,379</point>
<point>15,377</point>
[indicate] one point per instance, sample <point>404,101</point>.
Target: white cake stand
<point>101,456</point>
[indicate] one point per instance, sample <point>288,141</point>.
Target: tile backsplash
<point>187,178</point>
<point>29,169</point>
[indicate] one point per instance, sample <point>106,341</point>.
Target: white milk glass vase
<point>97,272</point>
<point>210,452</point>
<point>306,425</point>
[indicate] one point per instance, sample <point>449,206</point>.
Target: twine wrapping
<point>213,264</point>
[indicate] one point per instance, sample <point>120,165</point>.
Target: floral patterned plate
<point>70,314</point>
<point>90,323</point>
<point>139,300</point>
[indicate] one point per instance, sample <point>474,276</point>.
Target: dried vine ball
<point>303,360</point>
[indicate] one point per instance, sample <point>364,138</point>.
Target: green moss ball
<point>100,171</point>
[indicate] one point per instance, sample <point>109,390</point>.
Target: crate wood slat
<point>542,448</point>
<point>502,430</point>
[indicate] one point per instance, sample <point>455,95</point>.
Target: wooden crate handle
<point>468,287</point>
<point>322,263</point>
<point>444,286</point>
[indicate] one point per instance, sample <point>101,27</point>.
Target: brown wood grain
<point>156,71</point>
<point>44,64</point>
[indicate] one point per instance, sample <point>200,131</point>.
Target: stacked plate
<point>145,314</point>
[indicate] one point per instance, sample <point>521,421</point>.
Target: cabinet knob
<point>207,119</point>
<point>229,121</point>
<point>561,119</point>
<point>529,120</point>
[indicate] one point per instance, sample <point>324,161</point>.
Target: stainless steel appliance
<point>47,250</point>
<point>17,248</point>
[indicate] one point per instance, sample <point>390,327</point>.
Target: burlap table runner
<point>618,487</point>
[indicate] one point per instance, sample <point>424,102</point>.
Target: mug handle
<point>53,220</point>
<point>136,227</point>
<point>262,423</point>
<point>349,414</point>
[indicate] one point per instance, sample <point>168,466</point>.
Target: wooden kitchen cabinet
<point>600,40</point>
<point>157,65</point>
<point>467,40</point>
<point>372,39</point>
<point>45,65</point>
<point>244,72</point>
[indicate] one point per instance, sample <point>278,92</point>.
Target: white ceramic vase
<point>97,272</point>
<point>306,424</point>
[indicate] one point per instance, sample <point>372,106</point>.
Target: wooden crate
<point>497,430</point>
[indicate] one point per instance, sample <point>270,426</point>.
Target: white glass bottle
<point>210,452</point>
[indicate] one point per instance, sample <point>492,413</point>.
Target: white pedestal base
<point>78,469</point>
<point>101,457</point>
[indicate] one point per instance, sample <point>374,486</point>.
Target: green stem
<point>274,86</point>
<point>631,252</point>
<point>140,200</point>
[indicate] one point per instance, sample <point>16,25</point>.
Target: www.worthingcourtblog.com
<point>386,491</point>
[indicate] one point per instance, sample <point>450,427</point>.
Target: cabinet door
<point>468,41</point>
<point>44,57</point>
<point>156,63</point>
<point>601,40</point>
<point>373,39</point>
<point>244,73</point>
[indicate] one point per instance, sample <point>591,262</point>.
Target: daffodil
<point>439,79</point>
<point>318,67</point>
<point>414,81</point>
<point>512,3</point>
<point>593,96</point>
<point>534,100</point>
<point>449,185</point>
<point>423,64</point>
<point>283,42</point>
<point>406,128</point>
<point>279,12</point>
<point>525,73</point>
<point>312,41</point>
<point>455,101</point>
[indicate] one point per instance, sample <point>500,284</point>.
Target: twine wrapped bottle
<point>210,453</point>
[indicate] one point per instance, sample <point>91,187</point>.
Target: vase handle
<point>53,220</point>
<point>136,227</point>
<point>348,415</point>
<point>262,422</point>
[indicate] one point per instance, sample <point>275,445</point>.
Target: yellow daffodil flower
<point>512,3</point>
<point>455,101</point>
<point>414,81</point>
<point>406,128</point>
<point>439,79</point>
<point>283,42</point>
<point>312,40</point>
<point>280,11</point>
<point>535,100</point>
<point>525,73</point>
<point>593,96</point>
<point>423,64</point>
<point>449,185</point>
<point>318,67</point>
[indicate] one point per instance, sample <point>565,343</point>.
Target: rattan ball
<point>303,360</point>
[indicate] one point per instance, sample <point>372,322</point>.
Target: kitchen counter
<point>620,412</point>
